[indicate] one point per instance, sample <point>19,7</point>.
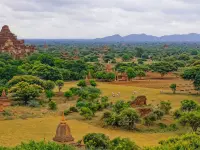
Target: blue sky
<point>99,18</point>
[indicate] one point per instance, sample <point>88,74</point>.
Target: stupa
<point>4,101</point>
<point>63,133</point>
<point>10,44</point>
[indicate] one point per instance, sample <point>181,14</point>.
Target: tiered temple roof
<point>10,44</point>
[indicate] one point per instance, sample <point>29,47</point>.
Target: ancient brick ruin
<point>139,101</point>
<point>10,44</point>
<point>4,101</point>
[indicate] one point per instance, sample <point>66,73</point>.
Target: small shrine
<point>63,133</point>
<point>4,101</point>
<point>108,67</point>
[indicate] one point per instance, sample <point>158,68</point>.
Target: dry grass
<point>14,131</point>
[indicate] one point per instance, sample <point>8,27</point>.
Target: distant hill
<point>192,37</point>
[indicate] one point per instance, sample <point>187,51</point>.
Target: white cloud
<point>98,18</point>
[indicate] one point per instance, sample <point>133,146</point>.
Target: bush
<point>73,109</point>
<point>188,105</point>
<point>123,144</point>
<point>159,114</point>
<point>96,141</point>
<point>82,83</point>
<point>52,105</point>
<point>93,83</point>
<point>66,112</point>
<point>165,106</point>
<point>177,114</point>
<point>107,115</point>
<point>119,106</point>
<point>68,94</point>
<point>162,125</point>
<point>86,112</point>
<point>33,103</point>
<point>7,113</point>
<point>149,120</point>
<point>127,118</point>
<point>32,145</point>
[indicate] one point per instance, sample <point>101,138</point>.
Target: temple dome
<point>63,133</point>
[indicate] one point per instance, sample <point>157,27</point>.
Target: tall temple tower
<point>10,44</point>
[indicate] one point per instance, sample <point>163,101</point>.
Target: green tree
<point>120,105</point>
<point>127,118</point>
<point>123,144</point>
<point>189,105</point>
<point>68,94</point>
<point>49,85</point>
<point>82,83</point>
<point>173,88</point>
<point>162,67</point>
<point>131,73</point>
<point>60,84</point>
<point>49,94</point>
<point>25,92</point>
<point>43,145</point>
<point>165,106</point>
<point>47,72</point>
<point>192,119</point>
<point>52,105</point>
<point>86,112</point>
<point>141,74</point>
<point>93,83</point>
<point>96,141</point>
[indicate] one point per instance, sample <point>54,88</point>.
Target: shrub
<point>120,105</point>
<point>159,114</point>
<point>127,118</point>
<point>49,94</point>
<point>33,103</point>
<point>66,112</point>
<point>86,112</point>
<point>107,115</point>
<point>82,83</point>
<point>93,83</point>
<point>7,113</point>
<point>32,145</point>
<point>52,105</point>
<point>173,88</point>
<point>68,94</point>
<point>149,120</point>
<point>173,127</point>
<point>123,144</point>
<point>165,106</point>
<point>184,142</point>
<point>162,125</point>
<point>188,105</point>
<point>73,109</point>
<point>96,141</point>
<point>177,114</point>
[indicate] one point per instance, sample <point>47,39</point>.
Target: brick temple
<point>10,44</point>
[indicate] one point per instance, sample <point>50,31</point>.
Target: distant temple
<point>4,101</point>
<point>10,44</point>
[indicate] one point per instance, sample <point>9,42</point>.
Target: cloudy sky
<point>99,18</point>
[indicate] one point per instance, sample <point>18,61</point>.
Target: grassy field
<point>12,132</point>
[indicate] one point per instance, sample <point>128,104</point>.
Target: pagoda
<point>10,44</point>
<point>4,101</point>
<point>63,133</point>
